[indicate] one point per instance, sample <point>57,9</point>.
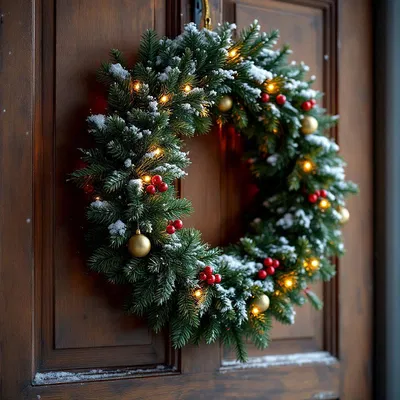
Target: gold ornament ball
<point>139,245</point>
<point>344,212</point>
<point>261,303</point>
<point>309,125</point>
<point>225,104</point>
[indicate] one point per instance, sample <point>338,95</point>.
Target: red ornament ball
<point>318,193</point>
<point>218,278</point>
<point>268,261</point>
<point>262,274</point>
<point>178,224</point>
<point>312,198</point>
<point>208,270</point>
<point>211,280</point>
<point>162,187</point>
<point>323,193</point>
<point>270,270</point>
<point>88,188</point>
<point>276,264</point>
<point>156,180</point>
<point>281,99</point>
<point>306,106</point>
<point>202,276</point>
<point>313,102</point>
<point>265,97</point>
<point>170,229</point>
<point>151,189</point>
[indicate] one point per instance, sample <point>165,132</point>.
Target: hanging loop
<point>206,15</point>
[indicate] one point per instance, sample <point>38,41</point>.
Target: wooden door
<point>63,335</point>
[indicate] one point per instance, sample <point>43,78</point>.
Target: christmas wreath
<point>178,88</point>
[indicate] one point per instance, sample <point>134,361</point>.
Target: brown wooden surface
<point>53,315</point>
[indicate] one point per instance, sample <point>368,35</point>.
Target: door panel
<point>55,316</point>
<point>82,313</point>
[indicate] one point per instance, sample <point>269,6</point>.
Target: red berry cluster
<point>174,225</point>
<point>313,197</point>
<point>156,184</point>
<point>280,98</point>
<point>309,104</point>
<point>270,265</point>
<point>207,276</point>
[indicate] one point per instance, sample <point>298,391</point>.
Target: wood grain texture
<point>16,212</point>
<point>355,139</point>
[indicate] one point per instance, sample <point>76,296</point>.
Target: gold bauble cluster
<point>139,245</point>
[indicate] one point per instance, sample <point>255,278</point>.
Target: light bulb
<point>164,98</point>
<point>305,264</point>
<point>157,151</point>
<point>307,166</point>
<point>97,198</point>
<point>271,87</point>
<point>255,310</point>
<point>288,283</point>
<point>197,293</point>
<point>187,88</point>
<point>324,204</point>
<point>314,263</point>
<point>233,53</point>
<point>146,178</point>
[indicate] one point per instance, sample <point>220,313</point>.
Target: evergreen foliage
<point>174,91</point>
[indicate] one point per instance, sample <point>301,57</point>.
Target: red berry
<point>270,270</point>
<point>162,187</point>
<point>208,270</point>
<point>262,274</point>
<point>281,99</point>
<point>88,188</point>
<point>218,278</point>
<point>312,198</point>
<point>170,229</point>
<point>276,264</point>
<point>313,102</point>
<point>202,276</point>
<point>268,261</point>
<point>156,180</point>
<point>323,193</point>
<point>265,97</point>
<point>306,106</point>
<point>318,193</point>
<point>211,280</point>
<point>178,224</point>
<point>151,189</point>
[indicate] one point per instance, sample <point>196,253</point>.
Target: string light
<point>157,151</point>
<point>187,88</point>
<point>97,198</point>
<point>146,178</point>
<point>233,53</point>
<point>324,204</point>
<point>271,87</point>
<point>198,293</point>
<point>255,310</point>
<point>288,283</point>
<point>277,293</point>
<point>307,166</point>
<point>314,263</point>
<point>164,98</point>
<point>136,85</point>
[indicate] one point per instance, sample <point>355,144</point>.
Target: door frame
<point>387,197</point>
<point>21,116</point>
